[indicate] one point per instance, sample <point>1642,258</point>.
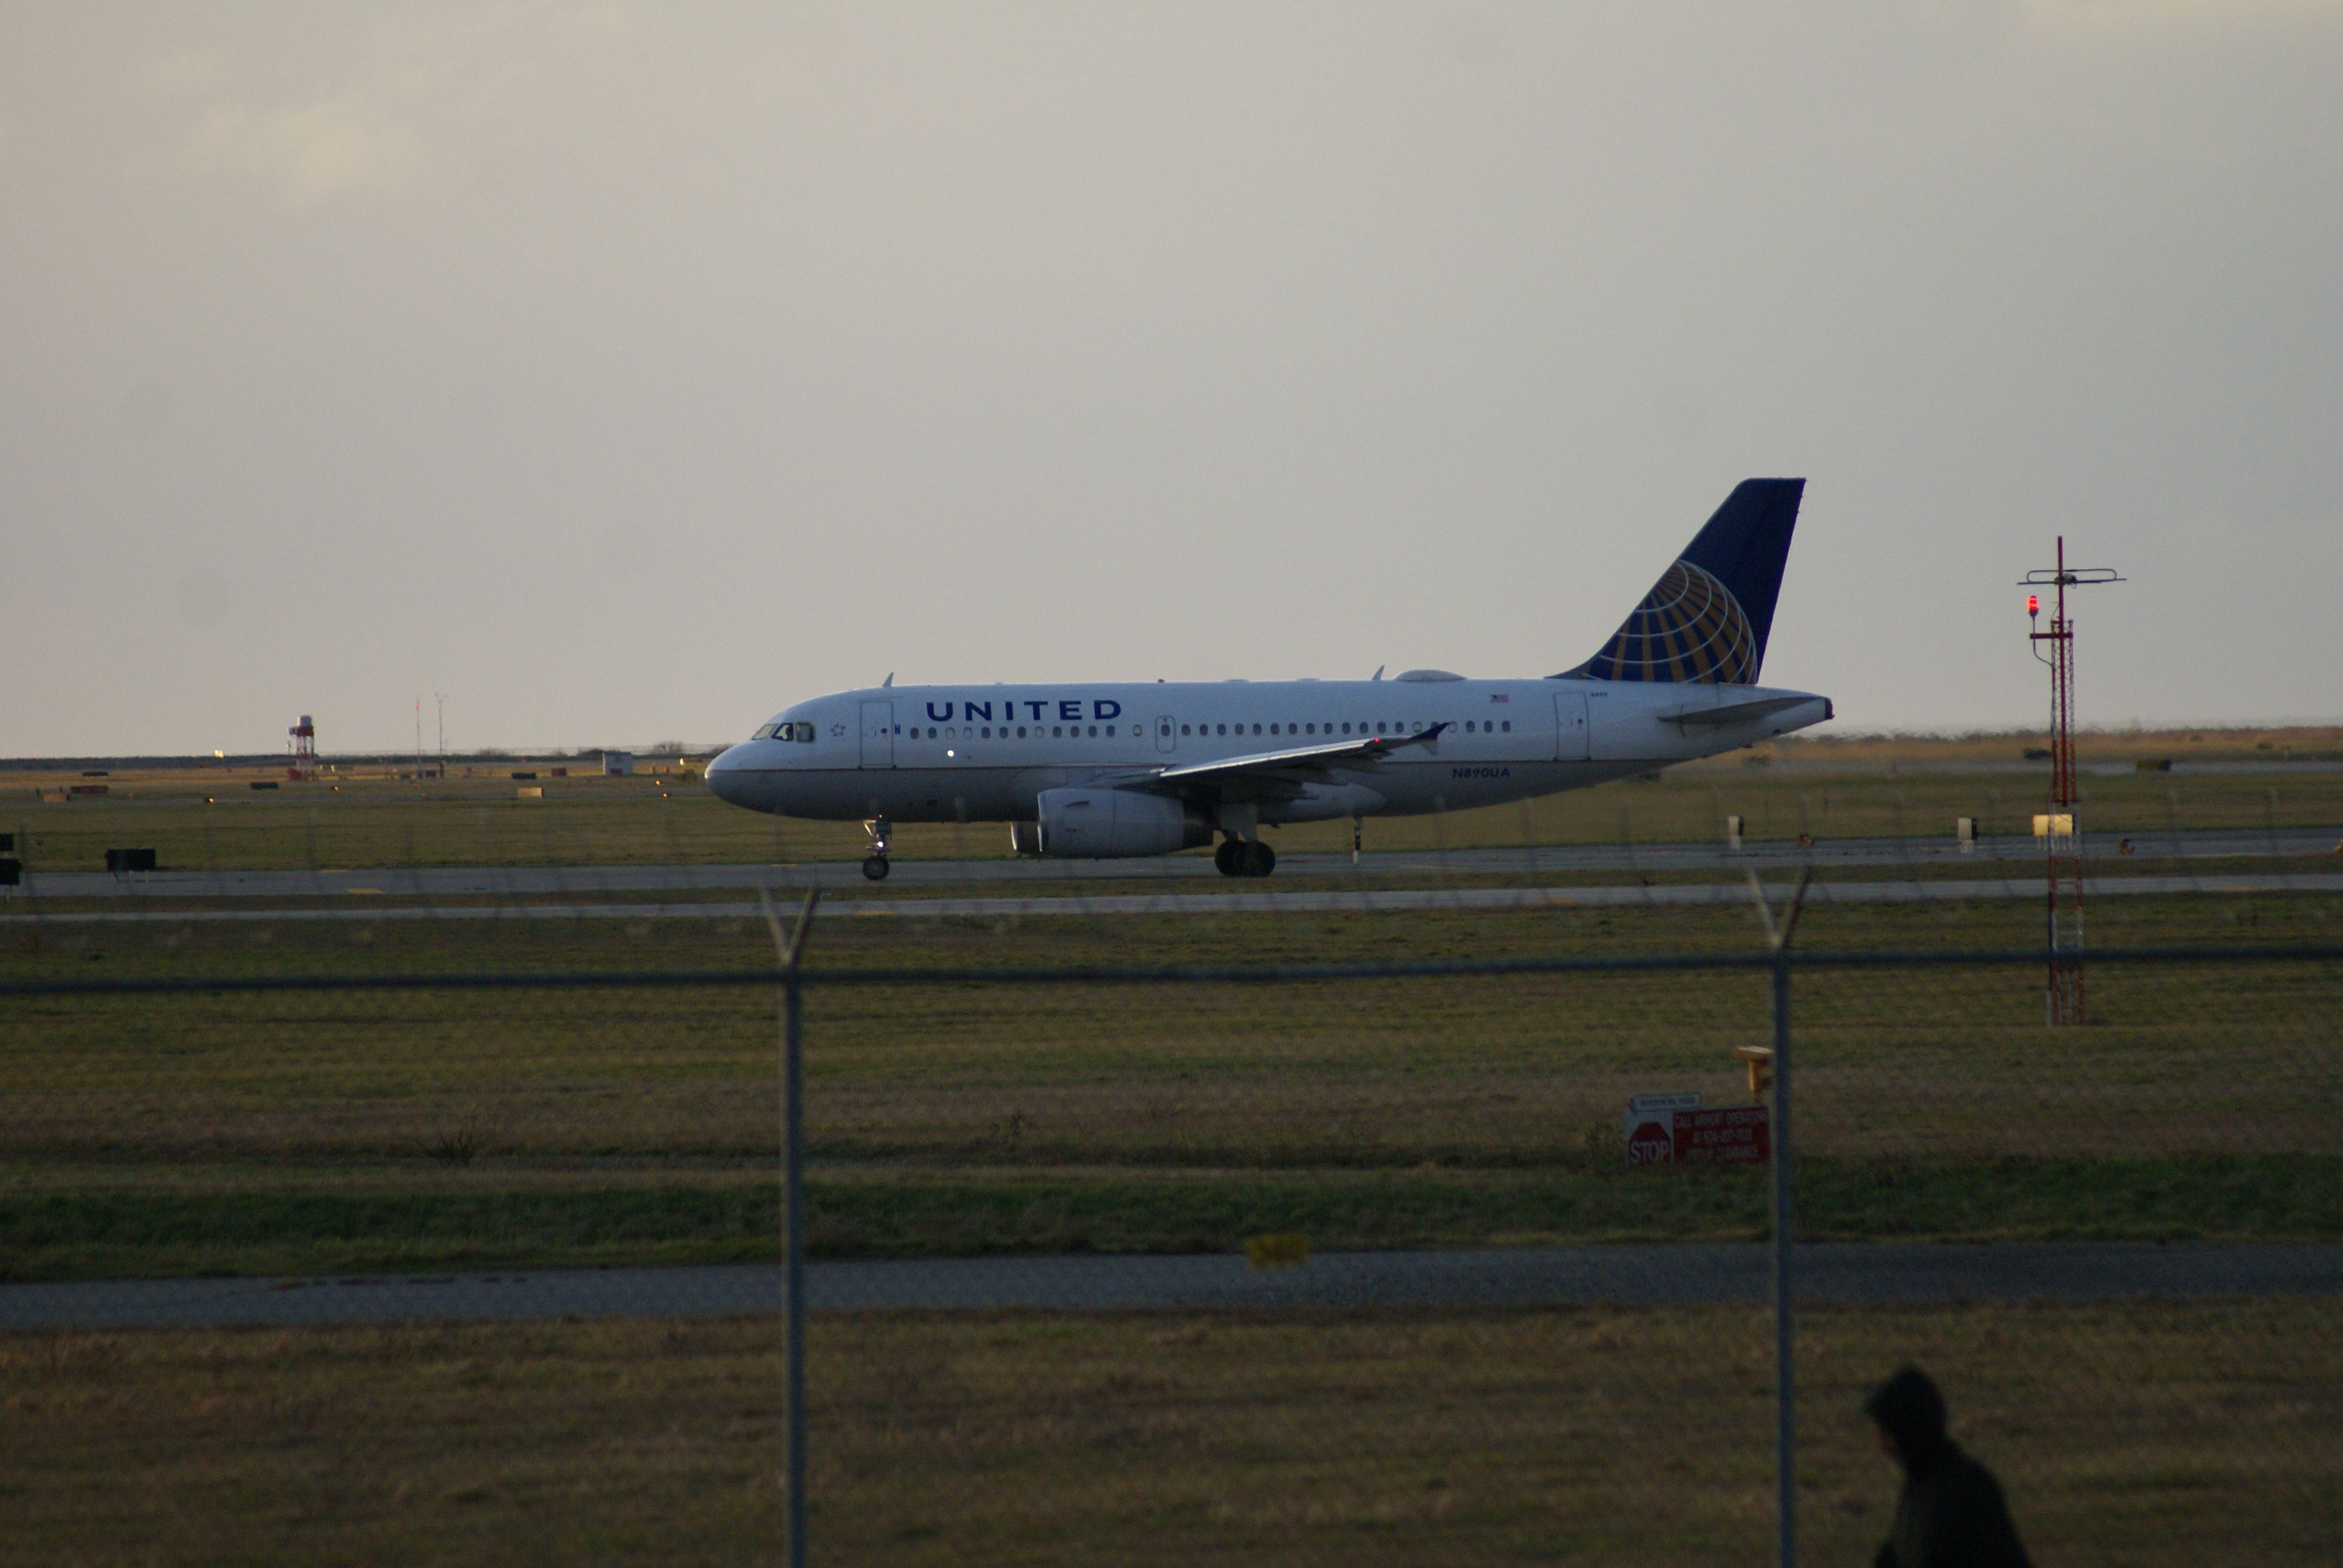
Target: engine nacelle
<point>1110,824</point>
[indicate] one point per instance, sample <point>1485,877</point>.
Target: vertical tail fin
<point>1707,618</point>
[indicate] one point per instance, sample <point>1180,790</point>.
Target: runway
<point>1240,898</point>
<point>1771,856</point>
<point>1548,1276</point>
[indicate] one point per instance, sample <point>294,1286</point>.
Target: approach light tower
<point>2062,999</point>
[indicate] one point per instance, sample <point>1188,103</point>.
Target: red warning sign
<point>1673,1129</point>
<point>1734,1135</point>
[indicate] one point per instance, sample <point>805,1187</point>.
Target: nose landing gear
<point>875,866</point>
<point>1244,858</point>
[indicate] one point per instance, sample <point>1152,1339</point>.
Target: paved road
<point>1241,900</point>
<point>1548,1276</point>
<point>540,881</point>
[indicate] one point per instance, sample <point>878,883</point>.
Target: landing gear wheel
<point>881,830</point>
<point>1244,858</point>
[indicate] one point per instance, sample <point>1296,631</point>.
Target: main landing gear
<point>875,867</point>
<point>1244,858</point>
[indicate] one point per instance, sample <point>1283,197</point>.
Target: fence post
<point>788,948</point>
<point>1785,1435</point>
<point>1785,1380</point>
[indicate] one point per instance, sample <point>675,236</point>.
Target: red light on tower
<point>2032,604</point>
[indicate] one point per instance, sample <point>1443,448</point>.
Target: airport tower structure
<point>2062,828</point>
<point>304,764</point>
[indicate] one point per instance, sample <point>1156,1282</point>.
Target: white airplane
<point>1097,772</point>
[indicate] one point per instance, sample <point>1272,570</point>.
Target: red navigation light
<point>2032,604</point>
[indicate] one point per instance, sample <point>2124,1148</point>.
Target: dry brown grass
<point>2145,1434</point>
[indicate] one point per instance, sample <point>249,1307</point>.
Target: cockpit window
<point>801,731</point>
<point>767,733</point>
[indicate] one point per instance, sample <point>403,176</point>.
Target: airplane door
<point>1166,734</point>
<point>878,735</point>
<point>1570,727</point>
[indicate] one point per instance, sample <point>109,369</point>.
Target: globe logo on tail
<point>1689,628</point>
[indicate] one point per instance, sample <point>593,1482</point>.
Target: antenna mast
<point>2062,832</point>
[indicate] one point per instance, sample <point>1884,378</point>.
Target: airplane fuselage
<point>986,753</point>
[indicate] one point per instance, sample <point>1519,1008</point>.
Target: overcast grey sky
<point>628,371</point>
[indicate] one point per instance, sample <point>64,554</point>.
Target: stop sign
<point>1652,1143</point>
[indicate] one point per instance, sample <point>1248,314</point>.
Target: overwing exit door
<point>1167,735</point>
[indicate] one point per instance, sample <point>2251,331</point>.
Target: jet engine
<point>1109,824</point>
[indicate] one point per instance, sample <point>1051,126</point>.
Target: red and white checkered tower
<point>2062,999</point>
<point>305,751</point>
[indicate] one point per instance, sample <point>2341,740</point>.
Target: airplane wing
<point>1272,775</point>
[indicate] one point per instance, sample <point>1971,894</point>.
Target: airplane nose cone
<point>726,776</point>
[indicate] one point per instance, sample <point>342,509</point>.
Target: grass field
<point>425,1130</point>
<point>202,820</point>
<point>428,1129</point>
<point>2139,1434</point>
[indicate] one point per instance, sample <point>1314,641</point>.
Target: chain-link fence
<point>320,1248</point>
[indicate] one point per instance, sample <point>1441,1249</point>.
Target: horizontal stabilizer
<point>1732,712</point>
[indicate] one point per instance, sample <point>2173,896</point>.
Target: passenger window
<point>1224,730</point>
<point>1183,730</point>
<point>1509,727</point>
<point>1272,729</point>
<point>1058,730</point>
<point>986,732</point>
<point>1020,732</point>
<point>1094,730</point>
<point>1110,729</point>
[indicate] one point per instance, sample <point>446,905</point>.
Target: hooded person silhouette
<point>1951,1514</point>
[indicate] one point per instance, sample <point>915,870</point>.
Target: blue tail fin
<point>1707,616</point>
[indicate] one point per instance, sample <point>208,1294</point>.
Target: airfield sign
<point>1673,1129</point>
<point>1651,1126</point>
